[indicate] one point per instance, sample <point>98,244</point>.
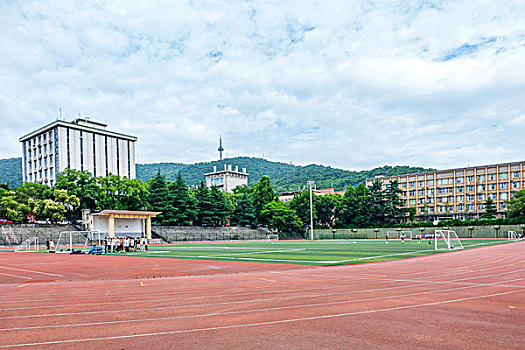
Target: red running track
<point>472,299</point>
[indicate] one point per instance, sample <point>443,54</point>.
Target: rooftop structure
<point>227,179</point>
<point>81,144</point>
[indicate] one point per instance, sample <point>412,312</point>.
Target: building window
<point>460,207</point>
<point>503,195</point>
<point>481,187</point>
<point>515,174</point>
<point>503,176</point>
<point>481,178</point>
<point>403,185</point>
<point>503,205</point>
<point>106,152</point>
<point>481,197</point>
<point>459,180</point>
<point>430,209</point>
<point>430,182</point>
<point>492,177</point>
<point>503,185</point>
<point>421,192</point>
<point>459,189</point>
<point>412,202</point>
<point>492,187</point>
<point>515,185</point>
<point>118,158</point>
<point>492,195</point>
<point>421,183</point>
<point>481,206</point>
<point>470,197</point>
<point>430,191</point>
<point>94,157</point>
<point>470,188</point>
<point>460,199</point>
<point>470,178</point>
<point>81,152</point>
<point>412,184</point>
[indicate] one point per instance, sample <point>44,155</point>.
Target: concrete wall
<point>43,232</point>
<point>492,231</point>
<point>195,233</point>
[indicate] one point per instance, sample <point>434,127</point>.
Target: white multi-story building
<point>82,144</point>
<point>226,180</point>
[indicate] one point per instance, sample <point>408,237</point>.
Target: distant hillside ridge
<point>284,177</point>
<point>11,171</point>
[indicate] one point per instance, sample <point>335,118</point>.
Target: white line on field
<point>263,323</point>
<point>8,274</point>
<point>31,271</point>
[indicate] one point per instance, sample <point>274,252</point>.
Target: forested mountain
<point>11,171</point>
<point>284,177</point>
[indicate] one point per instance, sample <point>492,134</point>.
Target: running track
<point>472,299</point>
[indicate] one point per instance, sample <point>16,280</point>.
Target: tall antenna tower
<point>220,149</point>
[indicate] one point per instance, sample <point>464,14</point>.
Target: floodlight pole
<point>311,183</point>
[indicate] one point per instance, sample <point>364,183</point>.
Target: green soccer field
<point>318,253</point>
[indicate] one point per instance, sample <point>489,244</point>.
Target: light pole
<point>311,183</point>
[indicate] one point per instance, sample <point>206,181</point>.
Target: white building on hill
<point>227,179</point>
<point>82,144</point>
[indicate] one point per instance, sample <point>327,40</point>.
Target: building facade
<point>82,144</point>
<point>227,179</point>
<point>458,193</point>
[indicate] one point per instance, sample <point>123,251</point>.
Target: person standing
<point>386,238</point>
<point>402,238</point>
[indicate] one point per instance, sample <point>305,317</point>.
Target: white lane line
<point>397,296</point>
<point>8,274</point>
<point>31,271</point>
<point>290,320</point>
<point>269,251</point>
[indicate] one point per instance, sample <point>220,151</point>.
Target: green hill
<point>284,177</point>
<point>11,171</point>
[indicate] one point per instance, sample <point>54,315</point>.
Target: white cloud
<point>352,84</point>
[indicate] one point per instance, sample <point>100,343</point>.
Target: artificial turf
<point>317,253</point>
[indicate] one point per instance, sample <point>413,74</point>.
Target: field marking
<point>302,319</point>
<point>31,271</point>
<point>8,274</point>
<point>397,296</point>
<point>418,284</point>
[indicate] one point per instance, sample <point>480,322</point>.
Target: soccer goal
<point>29,245</point>
<point>272,237</point>
<point>9,236</point>
<point>447,240</point>
<point>513,236</point>
<point>71,242</point>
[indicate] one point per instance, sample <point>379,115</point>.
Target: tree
<point>280,217</point>
<point>56,209</point>
<point>517,205</point>
<point>244,213</point>
<point>328,208</point>
<point>490,209</point>
<point>82,185</point>
<point>377,204</point>
<point>204,206</point>
<point>393,203</point>
<point>220,208</point>
<point>262,194</point>
<point>9,208</point>
<point>301,205</point>
<point>159,194</point>
<point>179,201</point>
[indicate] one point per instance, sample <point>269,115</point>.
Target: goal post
<point>512,236</point>
<point>70,242</point>
<point>447,240</point>
<point>272,237</point>
<point>29,245</point>
<point>9,236</point>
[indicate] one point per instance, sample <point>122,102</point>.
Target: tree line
<point>181,204</point>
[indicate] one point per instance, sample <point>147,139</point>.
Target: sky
<point>349,84</point>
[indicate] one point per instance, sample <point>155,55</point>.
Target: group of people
<point>125,244</point>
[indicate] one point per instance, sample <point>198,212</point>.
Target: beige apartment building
<point>458,193</point>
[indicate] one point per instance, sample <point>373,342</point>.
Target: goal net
<point>272,237</point>
<point>513,236</point>
<point>29,245</point>
<point>9,236</point>
<point>71,242</point>
<point>447,240</point>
